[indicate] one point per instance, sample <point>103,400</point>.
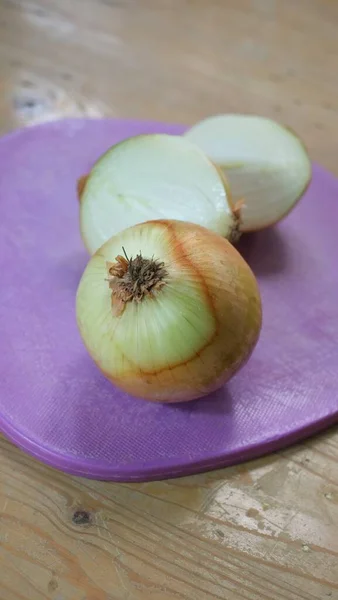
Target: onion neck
<point>133,279</point>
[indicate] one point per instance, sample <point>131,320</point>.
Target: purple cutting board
<point>56,405</point>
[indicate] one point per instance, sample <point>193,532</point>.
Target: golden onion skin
<point>187,338</point>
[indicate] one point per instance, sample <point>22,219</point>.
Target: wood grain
<point>266,530</point>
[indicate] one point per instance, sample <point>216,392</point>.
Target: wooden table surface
<point>266,530</point>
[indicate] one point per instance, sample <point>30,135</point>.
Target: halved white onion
<point>265,163</point>
<point>153,177</point>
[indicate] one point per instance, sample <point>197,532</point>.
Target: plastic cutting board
<point>56,405</point>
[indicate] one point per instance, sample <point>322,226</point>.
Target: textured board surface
<point>57,406</point>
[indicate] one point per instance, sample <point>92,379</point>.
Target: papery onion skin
<point>209,310</point>
<point>80,186</point>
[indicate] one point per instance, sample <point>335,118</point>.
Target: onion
<point>153,177</point>
<point>266,164</point>
<point>168,310</point>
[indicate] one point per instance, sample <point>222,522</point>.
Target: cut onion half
<point>151,177</point>
<point>266,164</point>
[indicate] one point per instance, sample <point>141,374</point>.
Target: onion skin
<point>80,186</point>
<point>228,290</point>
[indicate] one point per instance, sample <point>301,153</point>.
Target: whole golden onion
<point>168,310</point>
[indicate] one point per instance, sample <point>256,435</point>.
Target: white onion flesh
<point>265,163</point>
<point>153,177</point>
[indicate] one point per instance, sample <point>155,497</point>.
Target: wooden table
<point>266,530</point>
